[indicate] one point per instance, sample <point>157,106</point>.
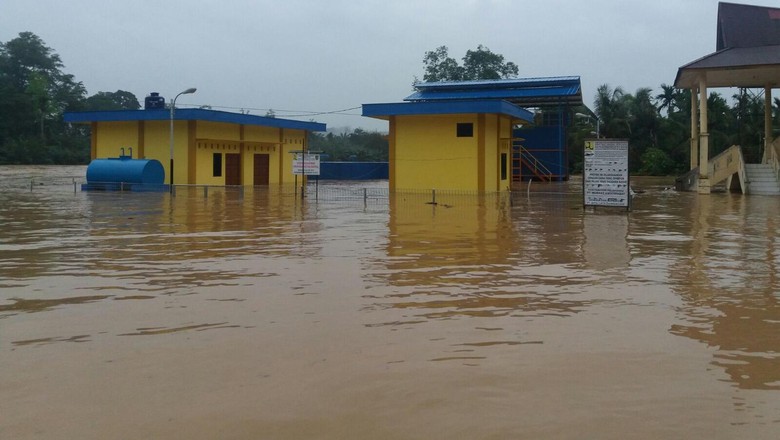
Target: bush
<point>655,162</point>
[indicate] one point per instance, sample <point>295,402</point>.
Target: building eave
<point>190,114</point>
<point>419,108</point>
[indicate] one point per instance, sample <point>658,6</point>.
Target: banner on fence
<point>306,163</point>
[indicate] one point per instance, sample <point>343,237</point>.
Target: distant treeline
<point>658,126</point>
<point>35,92</point>
<point>357,145</point>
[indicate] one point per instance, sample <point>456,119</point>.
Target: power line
<point>300,113</point>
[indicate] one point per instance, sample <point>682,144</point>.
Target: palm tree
<point>612,109</point>
<point>667,99</point>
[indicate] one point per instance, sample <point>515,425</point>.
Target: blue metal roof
<point>524,92</point>
<point>184,114</point>
<point>382,111</point>
<point>501,83</point>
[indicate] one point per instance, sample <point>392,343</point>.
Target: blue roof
<point>197,114</point>
<point>524,92</point>
<point>382,111</point>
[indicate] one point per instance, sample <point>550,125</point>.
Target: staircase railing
<point>772,156</point>
<point>726,164</point>
<point>526,158</point>
<point>535,165</point>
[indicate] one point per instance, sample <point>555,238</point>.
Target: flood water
<point>261,316</point>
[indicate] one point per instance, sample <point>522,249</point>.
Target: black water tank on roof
<point>154,101</point>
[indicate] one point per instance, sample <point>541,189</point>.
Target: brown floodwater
<point>254,315</point>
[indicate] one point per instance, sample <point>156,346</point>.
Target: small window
<point>465,129</point>
<point>503,165</point>
<point>217,169</point>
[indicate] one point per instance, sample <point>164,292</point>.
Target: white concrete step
<point>762,179</point>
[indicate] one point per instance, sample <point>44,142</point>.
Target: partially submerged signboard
<point>605,173</point>
<point>307,164</point>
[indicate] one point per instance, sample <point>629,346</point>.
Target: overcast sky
<point>329,55</point>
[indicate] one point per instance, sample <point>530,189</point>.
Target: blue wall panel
<point>353,170</point>
<point>548,145</point>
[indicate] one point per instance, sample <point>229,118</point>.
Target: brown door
<point>232,169</point>
<point>262,169</point>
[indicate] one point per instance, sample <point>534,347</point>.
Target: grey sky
<point>308,55</point>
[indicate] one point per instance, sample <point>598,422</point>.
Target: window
<point>217,165</point>
<point>465,129</point>
<point>503,165</point>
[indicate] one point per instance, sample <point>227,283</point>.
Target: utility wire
<point>301,113</point>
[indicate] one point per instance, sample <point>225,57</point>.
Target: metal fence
<point>365,192</point>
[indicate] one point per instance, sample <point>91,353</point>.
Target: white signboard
<point>306,163</point>
<point>605,173</point>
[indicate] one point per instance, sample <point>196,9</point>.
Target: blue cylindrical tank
<point>126,170</point>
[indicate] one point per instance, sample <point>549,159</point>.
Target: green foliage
<point>34,93</point>
<point>655,162</point>
<point>477,64</point>
<point>119,100</point>
<point>440,67</point>
<point>358,145</point>
<point>658,128</point>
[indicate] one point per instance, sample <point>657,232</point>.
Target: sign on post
<point>605,173</point>
<point>306,164</point>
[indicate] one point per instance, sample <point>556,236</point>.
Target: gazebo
<point>747,56</point>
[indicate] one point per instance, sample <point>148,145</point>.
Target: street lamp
<point>598,122</point>
<point>173,107</point>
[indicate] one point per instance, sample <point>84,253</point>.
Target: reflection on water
<point>729,282</point>
<point>256,314</point>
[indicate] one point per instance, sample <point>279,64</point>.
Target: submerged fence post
<point>365,197</point>
<point>74,186</point>
<point>206,192</point>
<point>31,185</point>
<point>528,191</point>
<point>433,194</point>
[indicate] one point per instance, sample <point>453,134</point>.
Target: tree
<point>669,99</point>
<point>612,109</point>
<point>484,64</point>
<point>34,93</point>
<point>477,64</point>
<point>119,100</point>
<point>440,67</point>
<point>355,145</point>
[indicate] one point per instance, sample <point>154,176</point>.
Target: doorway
<point>232,169</point>
<point>262,169</point>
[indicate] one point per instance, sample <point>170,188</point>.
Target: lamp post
<point>173,107</point>
<point>598,122</point>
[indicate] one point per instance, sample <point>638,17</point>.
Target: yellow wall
<point>195,143</point>
<point>114,136</point>
<point>218,130</point>
<point>157,145</point>
<point>429,155</point>
<point>504,127</point>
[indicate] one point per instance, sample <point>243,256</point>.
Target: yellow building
<point>209,147</point>
<point>455,145</point>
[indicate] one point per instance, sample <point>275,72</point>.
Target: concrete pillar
<point>704,140</point>
<point>694,128</point>
<point>768,135</point>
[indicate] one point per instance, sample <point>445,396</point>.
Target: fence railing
<point>772,156</point>
<point>378,193</point>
